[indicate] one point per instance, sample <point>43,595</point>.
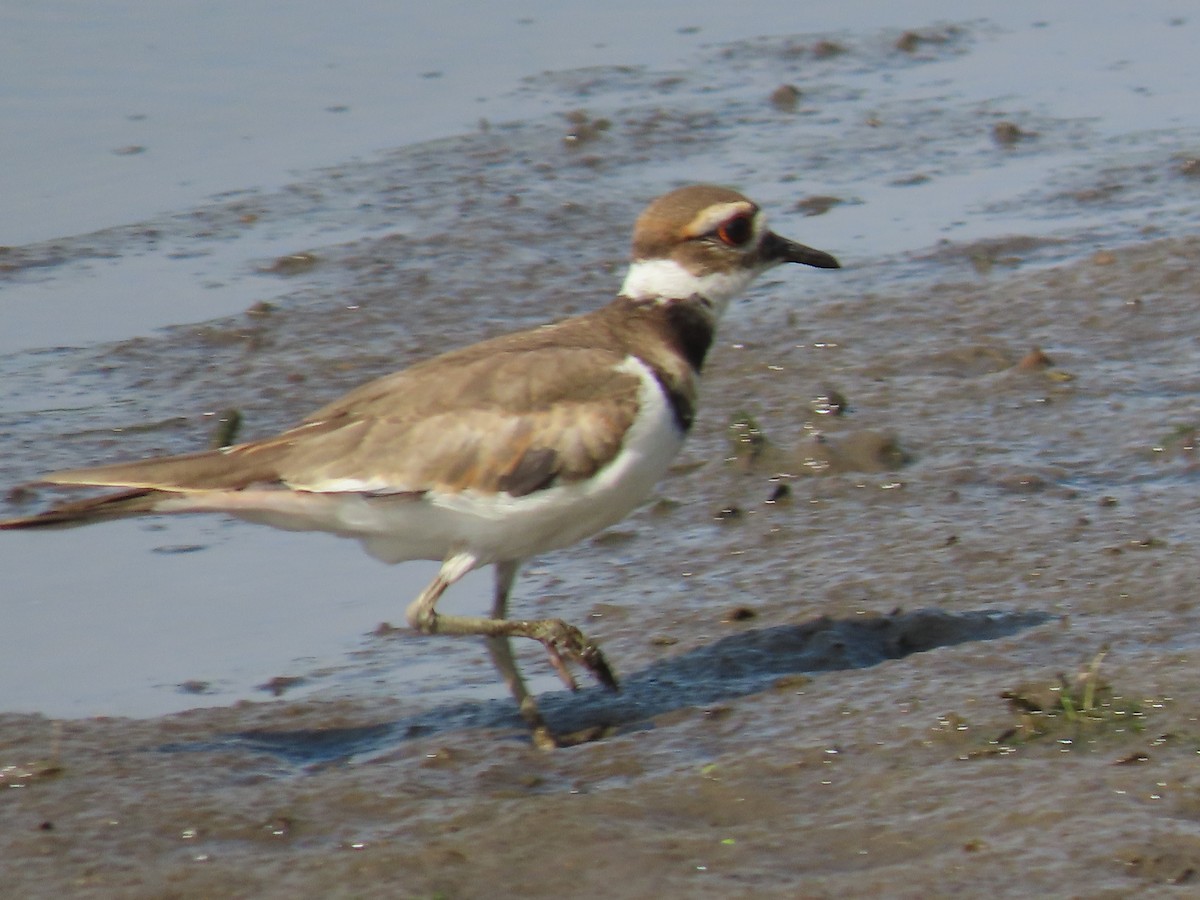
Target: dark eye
<point>736,231</point>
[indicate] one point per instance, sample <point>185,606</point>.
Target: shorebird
<point>496,452</point>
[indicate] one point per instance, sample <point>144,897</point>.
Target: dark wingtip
<point>135,501</point>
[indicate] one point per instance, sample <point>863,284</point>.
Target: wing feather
<point>498,423</point>
<point>514,420</point>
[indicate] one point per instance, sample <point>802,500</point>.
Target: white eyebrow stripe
<point>712,216</point>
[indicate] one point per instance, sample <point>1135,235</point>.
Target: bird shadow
<point>735,666</point>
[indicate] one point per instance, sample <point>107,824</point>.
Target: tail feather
<point>134,502</point>
<point>229,469</point>
<point>150,483</point>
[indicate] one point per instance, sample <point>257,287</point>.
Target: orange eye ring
<point>736,232</point>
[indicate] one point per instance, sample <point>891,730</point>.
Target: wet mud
<point>857,733</point>
<point>914,614</point>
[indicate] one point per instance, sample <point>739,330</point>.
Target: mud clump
<point>1009,134</point>
<point>786,97</point>
<point>818,204</point>
<point>868,450</point>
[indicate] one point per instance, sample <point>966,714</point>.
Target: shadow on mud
<point>731,667</point>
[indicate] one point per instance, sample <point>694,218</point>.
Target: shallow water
<point>830,658</point>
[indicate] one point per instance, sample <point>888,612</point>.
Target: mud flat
<point>913,616</point>
<point>895,681</point>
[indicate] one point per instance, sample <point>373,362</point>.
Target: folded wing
<point>513,422</point>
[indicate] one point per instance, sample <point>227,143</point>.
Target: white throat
<point>664,280</point>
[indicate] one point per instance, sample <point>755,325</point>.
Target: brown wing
<point>514,420</point>
<point>507,422</point>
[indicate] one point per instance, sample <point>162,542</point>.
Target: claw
<point>565,643</point>
<point>560,665</point>
<point>594,661</point>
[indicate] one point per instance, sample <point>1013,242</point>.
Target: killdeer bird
<point>496,452</point>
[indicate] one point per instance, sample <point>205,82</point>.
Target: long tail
<point>135,502</point>
<point>149,482</point>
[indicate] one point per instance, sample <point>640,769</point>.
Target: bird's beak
<point>776,249</point>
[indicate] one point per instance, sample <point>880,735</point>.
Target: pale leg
<point>502,657</point>
<point>563,642</point>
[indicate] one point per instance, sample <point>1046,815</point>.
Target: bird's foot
<point>565,643</point>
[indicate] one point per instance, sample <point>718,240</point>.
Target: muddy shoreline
<point>786,759</point>
<point>913,616</point>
